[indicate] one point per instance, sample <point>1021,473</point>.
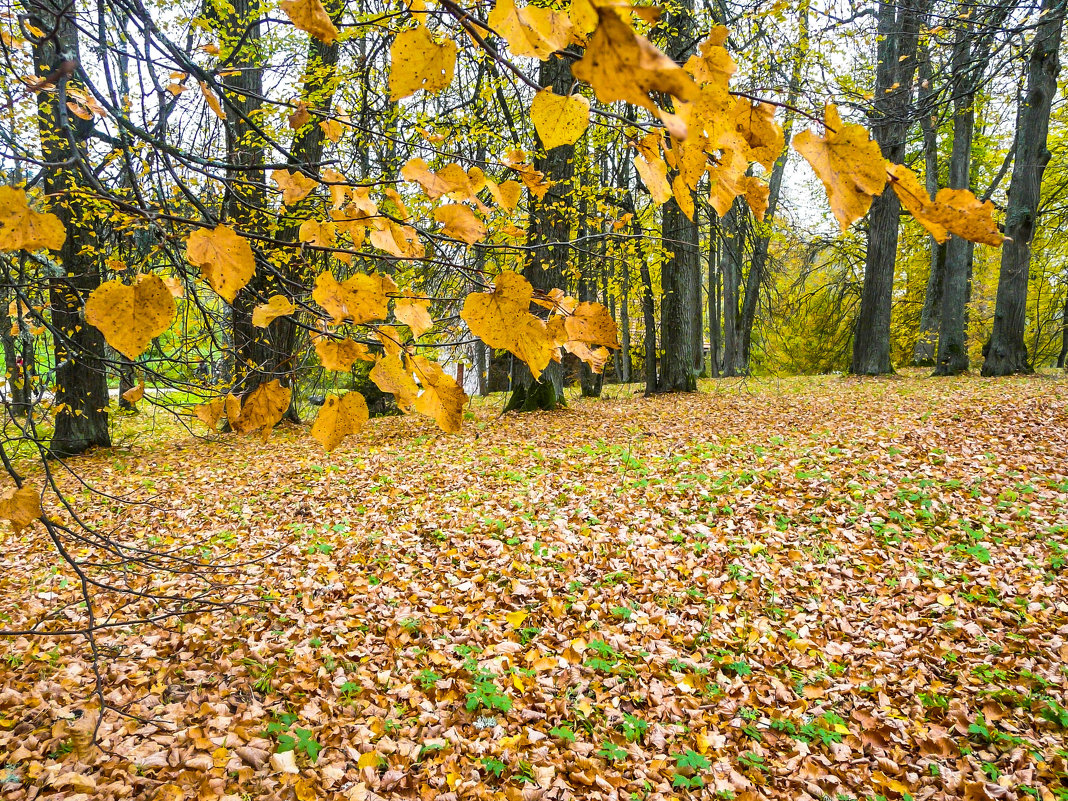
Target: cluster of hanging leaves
<point>708,130</point>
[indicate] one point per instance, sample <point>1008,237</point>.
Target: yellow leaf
<point>359,299</point>
<point>952,211</point>
<point>332,130</point>
<point>134,394</point>
<point>502,319</point>
<point>295,185</point>
<point>442,398</point>
<point>848,162</point>
<point>506,194</point>
<point>460,222</point>
<point>22,228</point>
<point>299,118</point>
<point>592,323</point>
<point>260,409</point>
<point>756,195</point>
<point>654,176</point>
<point>130,317</point>
<point>441,610</point>
<point>945,600</point>
<point>340,354</point>
<point>518,683</point>
<point>531,31</point>
<point>390,375</point>
<point>368,760</point>
<point>559,120</point>
<point>224,257</point>
<point>20,506</point>
<point>212,100</point>
<point>339,418</point>
<point>515,619</point>
<point>266,313</point>
<point>714,65</point>
<point>414,313</point>
<point>401,241</point>
<point>622,65</point>
<point>418,62</point>
<point>174,286</point>
<point>321,234</point>
<point>210,412</point>
<point>418,171</point>
<point>311,17</point>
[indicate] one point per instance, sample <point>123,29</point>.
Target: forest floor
<point>818,588</point>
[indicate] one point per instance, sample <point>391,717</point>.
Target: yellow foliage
<point>848,162</point>
<point>275,307</point>
<point>359,299</point>
<point>210,412</point>
<point>390,375</point>
<point>259,410</point>
<point>559,120</point>
<point>415,313</point>
<point>311,17</point>
<point>442,398</point>
<point>295,185</point>
<point>531,31</point>
<point>418,62</point>
<point>653,173</point>
<point>224,257</point>
<point>130,317</point>
<point>340,354</point>
<point>502,319</point>
<point>459,222</point>
<point>339,418</point>
<point>22,228</point>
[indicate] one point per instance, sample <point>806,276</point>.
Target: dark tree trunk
<point>548,236</point>
<point>898,26</point>
<point>1006,352</point>
<point>625,364</point>
<point>923,354</point>
<point>731,267</point>
<point>648,317</point>
<point>1064,334</point>
<point>680,277</point>
<point>713,298</point>
<point>81,375</point>
<point>127,381</point>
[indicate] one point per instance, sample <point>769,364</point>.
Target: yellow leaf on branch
<point>848,162</point>
<point>295,185</point>
<point>260,410</point>
<point>623,65</point>
<point>502,319</point>
<point>359,299</point>
<point>224,257</point>
<point>559,120</point>
<point>418,62</point>
<point>415,313</point>
<point>22,228</point>
<point>459,222</point>
<point>341,354</point>
<point>951,211</point>
<point>131,316</point>
<point>311,17</point>
<point>532,31</point>
<point>276,306</point>
<point>339,418</point>
<point>391,375</point>
<point>442,398</point>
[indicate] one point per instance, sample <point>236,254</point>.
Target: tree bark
<point>923,353</point>
<point>1064,334</point>
<point>81,375</point>
<point>898,29</point>
<point>1007,353</point>
<point>548,236</point>
<point>731,239</point>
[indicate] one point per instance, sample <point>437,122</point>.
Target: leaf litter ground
<point>800,589</point>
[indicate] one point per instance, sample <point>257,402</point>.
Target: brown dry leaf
<point>20,506</point>
<point>134,394</point>
<point>210,413</point>
<point>212,100</point>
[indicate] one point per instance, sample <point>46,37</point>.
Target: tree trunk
<point>81,376</point>
<point>713,298</point>
<point>548,236</point>
<point>648,315</point>
<point>952,336</point>
<point>680,276</point>
<point>923,353</point>
<point>1064,334</point>
<point>731,239</point>
<point>898,27</point>
<point>1007,352</point>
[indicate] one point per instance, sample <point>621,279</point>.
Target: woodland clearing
<point>795,589</point>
